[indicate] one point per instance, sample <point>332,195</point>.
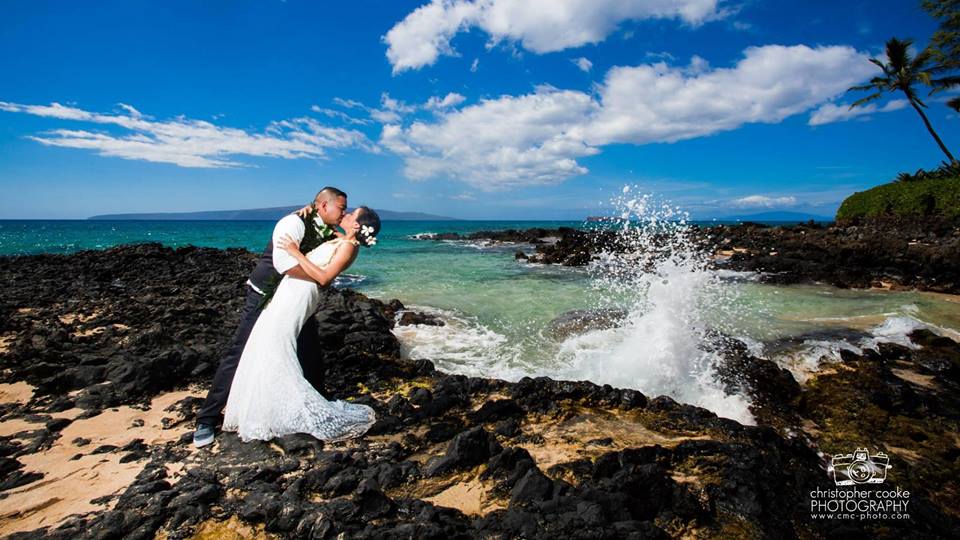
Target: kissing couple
<point>260,384</point>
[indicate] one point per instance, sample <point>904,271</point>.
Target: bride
<point>269,396</point>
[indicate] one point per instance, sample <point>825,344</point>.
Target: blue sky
<point>494,110</point>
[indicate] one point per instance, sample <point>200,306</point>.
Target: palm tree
<point>901,73</point>
<point>945,44</point>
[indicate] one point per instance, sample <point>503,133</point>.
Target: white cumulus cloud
<point>540,26</point>
<point>186,142</point>
<point>537,138</point>
<point>829,113</point>
<point>583,63</point>
<point>660,103</point>
<point>499,143</point>
<point>450,100</point>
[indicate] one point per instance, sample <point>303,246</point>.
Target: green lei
<point>315,233</point>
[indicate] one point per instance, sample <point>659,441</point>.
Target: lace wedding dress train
<point>269,396</point>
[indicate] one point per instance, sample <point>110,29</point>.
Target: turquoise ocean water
<point>498,309</point>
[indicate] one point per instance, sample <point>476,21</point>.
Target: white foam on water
<point>737,275</point>
<point>484,244</point>
<point>463,345</point>
<point>894,330</point>
<point>814,354</point>
<point>348,280</point>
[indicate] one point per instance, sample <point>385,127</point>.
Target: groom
<point>329,205</point>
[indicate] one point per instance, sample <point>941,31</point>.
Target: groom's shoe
<point>203,435</point>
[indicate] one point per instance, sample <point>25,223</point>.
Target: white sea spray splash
<point>663,281</point>
<point>673,302</point>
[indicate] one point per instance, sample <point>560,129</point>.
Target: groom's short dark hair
<point>330,191</point>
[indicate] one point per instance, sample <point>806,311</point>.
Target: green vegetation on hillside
<point>921,197</point>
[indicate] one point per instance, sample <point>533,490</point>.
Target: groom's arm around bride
<point>329,206</point>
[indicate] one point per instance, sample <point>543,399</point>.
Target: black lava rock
<point>472,447</point>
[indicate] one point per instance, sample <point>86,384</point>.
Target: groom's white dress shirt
<point>291,226</point>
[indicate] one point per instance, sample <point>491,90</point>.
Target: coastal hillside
<point>924,197</point>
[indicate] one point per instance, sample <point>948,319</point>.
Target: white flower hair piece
<point>367,232</point>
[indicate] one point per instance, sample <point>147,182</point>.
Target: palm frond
<point>868,99</point>
<point>941,66</point>
<point>945,83</point>
<point>919,62</point>
<point>880,64</point>
<point>898,53</point>
<point>862,87</point>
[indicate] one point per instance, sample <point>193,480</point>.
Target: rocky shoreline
<point>104,356</point>
<point>917,253</point>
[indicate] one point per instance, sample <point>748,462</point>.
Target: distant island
<point>255,214</point>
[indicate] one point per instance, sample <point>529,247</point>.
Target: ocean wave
<point>811,355</point>
<point>463,346</point>
<point>737,276</point>
<point>655,355</point>
<point>349,280</point>
<point>895,330</point>
<point>485,245</point>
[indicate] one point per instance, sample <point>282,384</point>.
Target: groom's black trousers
<point>308,351</point>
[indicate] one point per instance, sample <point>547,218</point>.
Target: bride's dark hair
<point>368,218</point>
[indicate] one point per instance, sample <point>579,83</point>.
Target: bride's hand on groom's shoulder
<point>305,211</point>
<point>288,244</point>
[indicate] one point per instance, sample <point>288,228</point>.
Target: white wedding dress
<point>269,396</point>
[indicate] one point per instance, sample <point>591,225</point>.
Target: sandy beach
<point>75,473</point>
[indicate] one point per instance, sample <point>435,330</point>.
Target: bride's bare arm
<point>342,258</point>
<point>298,273</point>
